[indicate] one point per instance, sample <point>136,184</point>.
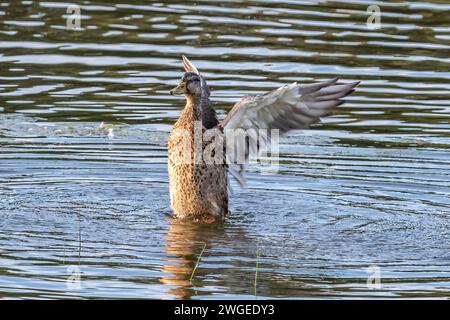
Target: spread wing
<point>290,107</point>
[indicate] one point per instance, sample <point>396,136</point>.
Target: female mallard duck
<point>199,188</point>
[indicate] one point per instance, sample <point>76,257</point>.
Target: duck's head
<point>190,85</point>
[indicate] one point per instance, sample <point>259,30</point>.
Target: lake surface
<point>365,192</point>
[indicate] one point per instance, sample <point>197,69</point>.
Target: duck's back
<point>209,116</point>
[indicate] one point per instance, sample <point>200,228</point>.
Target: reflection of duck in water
<point>219,251</point>
<point>185,241</point>
<point>198,188</point>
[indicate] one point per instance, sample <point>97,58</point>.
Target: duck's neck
<point>193,108</point>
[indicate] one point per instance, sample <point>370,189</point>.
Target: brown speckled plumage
<point>197,191</point>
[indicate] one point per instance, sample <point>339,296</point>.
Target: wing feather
<point>290,107</point>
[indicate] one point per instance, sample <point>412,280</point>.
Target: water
<point>367,188</point>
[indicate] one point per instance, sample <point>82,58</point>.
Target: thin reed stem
<point>198,262</point>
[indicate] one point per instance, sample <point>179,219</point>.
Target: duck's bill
<point>180,89</point>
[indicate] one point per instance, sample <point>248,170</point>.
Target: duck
<point>202,149</point>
